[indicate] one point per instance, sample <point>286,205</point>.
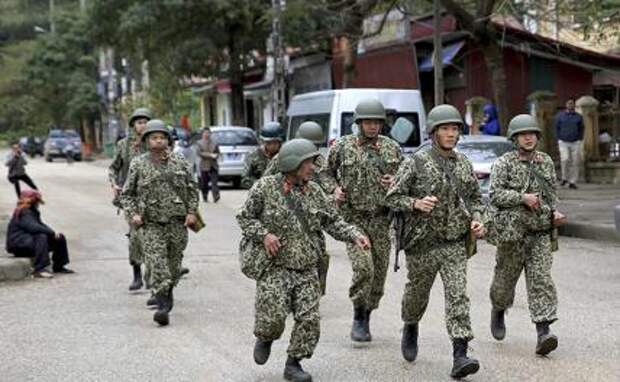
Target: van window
<point>321,119</point>
<point>392,115</point>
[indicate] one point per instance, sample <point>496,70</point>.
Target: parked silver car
<point>235,144</point>
<point>482,151</point>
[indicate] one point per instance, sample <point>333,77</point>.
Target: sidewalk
<point>590,211</point>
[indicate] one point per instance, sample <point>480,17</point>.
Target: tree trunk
<point>236,85</point>
<point>495,63</point>
<point>349,60</point>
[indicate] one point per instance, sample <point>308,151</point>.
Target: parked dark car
<point>56,142</point>
<point>32,146</point>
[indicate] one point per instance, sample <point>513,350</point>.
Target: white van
<point>333,110</point>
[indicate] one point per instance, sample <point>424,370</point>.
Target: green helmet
<point>294,152</point>
<point>522,123</point>
<point>369,109</point>
<point>311,131</point>
<point>140,112</point>
<point>442,114</point>
<point>154,126</point>
<point>271,131</point>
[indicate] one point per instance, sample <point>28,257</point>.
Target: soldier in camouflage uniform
<point>127,149</point>
<point>363,165</point>
<point>440,193</point>
<point>313,132</point>
<point>160,198</point>
<point>523,181</point>
<point>283,217</point>
<point>256,162</point>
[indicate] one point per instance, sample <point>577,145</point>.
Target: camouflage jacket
<point>424,174</point>
<point>513,176</point>
<point>321,176</point>
<point>125,152</point>
<point>159,192</point>
<point>358,168</point>
<point>254,167</point>
<point>266,210</point>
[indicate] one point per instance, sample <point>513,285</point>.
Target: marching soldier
<point>127,149</point>
<point>256,162</point>
<point>523,186</point>
<point>313,132</point>
<point>440,192</point>
<point>282,219</point>
<point>363,166</point>
<point>160,198</point>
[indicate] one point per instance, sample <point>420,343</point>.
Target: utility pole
<point>437,53</point>
<point>279,85</point>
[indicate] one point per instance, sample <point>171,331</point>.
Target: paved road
<point>88,327</point>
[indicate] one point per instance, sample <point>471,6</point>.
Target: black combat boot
<point>547,342</point>
<point>358,330</point>
<point>170,300</point>
<point>137,278</point>
<point>184,271</point>
<point>262,350</point>
<point>367,323</point>
<point>409,342</point>
<point>498,327</point>
<point>294,372</point>
<point>463,365</point>
<point>161,315</point>
<point>152,301</point>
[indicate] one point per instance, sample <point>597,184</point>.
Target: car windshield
<point>71,134</point>
<point>484,151</point>
<point>346,125</point>
<point>57,134</point>
<point>235,138</point>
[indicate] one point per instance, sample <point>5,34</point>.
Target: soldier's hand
<point>190,220</point>
<point>478,229</point>
<point>137,220</point>
<point>387,180</point>
<point>116,190</point>
<point>425,204</point>
<point>272,244</point>
<point>363,243</point>
<point>340,195</point>
<point>558,218</point>
<point>531,201</point>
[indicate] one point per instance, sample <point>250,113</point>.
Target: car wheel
<point>48,158</point>
<point>237,183</point>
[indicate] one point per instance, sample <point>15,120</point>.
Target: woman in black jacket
<point>28,236</point>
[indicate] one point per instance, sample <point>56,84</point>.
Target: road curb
<point>590,231</point>
<point>14,269</point>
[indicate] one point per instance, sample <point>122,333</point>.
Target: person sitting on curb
<point>28,236</point>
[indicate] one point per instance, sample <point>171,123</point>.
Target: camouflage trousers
<point>281,291</point>
<point>136,257</point>
<point>323,268</point>
<point>163,246</point>
<point>369,266</point>
<point>534,256</point>
<point>450,260</point>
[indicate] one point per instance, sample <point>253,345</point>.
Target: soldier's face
<point>158,141</point>
<point>272,147</point>
<point>140,125</point>
<point>206,134</point>
<point>306,170</point>
<point>527,140</point>
<point>447,135</point>
<point>371,127</point>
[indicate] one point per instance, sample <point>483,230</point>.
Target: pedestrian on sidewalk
<point>28,236</point>
<point>569,131</point>
<point>523,194</point>
<point>16,163</point>
<point>281,221</point>
<point>208,151</point>
<point>160,198</point>
<point>490,126</point>
<point>127,149</point>
<point>441,194</point>
<point>363,166</point>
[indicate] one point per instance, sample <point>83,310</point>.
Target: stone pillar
<point>544,108</point>
<point>474,115</point>
<point>587,106</point>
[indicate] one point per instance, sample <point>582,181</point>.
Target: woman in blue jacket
<point>28,236</point>
<point>491,123</point>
